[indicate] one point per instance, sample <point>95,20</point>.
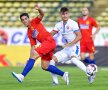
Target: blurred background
<point>14,43</point>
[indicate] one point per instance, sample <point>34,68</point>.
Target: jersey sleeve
<point>94,23</point>
<point>75,27</point>
<point>37,20</point>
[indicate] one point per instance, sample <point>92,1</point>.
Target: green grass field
<point>38,79</point>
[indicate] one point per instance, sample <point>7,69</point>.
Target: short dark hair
<point>24,14</point>
<point>64,9</point>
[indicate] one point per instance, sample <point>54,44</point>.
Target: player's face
<point>64,15</point>
<point>85,12</point>
<point>25,20</point>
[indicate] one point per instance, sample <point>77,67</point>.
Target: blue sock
<point>92,61</point>
<point>87,60</point>
<point>28,67</point>
<point>55,70</point>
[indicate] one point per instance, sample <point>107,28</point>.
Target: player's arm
<point>96,25</point>
<point>78,37</point>
<point>41,13</point>
<point>53,32</point>
<point>32,41</point>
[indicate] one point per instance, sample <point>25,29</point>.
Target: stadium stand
<point>101,12</point>
<point>11,9</point>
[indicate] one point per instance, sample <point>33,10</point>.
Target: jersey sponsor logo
<point>67,27</point>
<point>84,26</point>
<point>35,33</point>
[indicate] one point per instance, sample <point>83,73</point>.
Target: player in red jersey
<point>37,31</point>
<point>86,24</point>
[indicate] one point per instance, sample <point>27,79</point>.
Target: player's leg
<point>84,58</point>
<point>54,76</point>
<point>29,65</point>
<point>91,50</point>
<point>74,54</point>
<point>45,66</point>
<point>91,57</point>
<point>92,61</point>
<point>59,56</point>
<point>47,49</point>
<point>78,63</point>
<point>83,47</point>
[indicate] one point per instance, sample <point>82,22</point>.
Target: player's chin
<point>26,25</point>
<point>65,19</point>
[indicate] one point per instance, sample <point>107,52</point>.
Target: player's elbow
<point>80,36</point>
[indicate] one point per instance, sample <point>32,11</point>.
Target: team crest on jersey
<point>87,22</point>
<point>67,27</point>
<point>32,28</point>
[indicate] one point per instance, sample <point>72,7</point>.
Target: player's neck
<point>85,17</point>
<point>28,26</point>
<point>65,21</point>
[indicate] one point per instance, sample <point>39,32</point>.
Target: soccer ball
<point>91,69</point>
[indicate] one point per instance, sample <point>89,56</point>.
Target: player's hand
<point>37,46</point>
<point>37,7</point>
<point>41,13</point>
<point>66,45</point>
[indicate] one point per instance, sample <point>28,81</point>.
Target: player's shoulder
<point>58,23</point>
<point>32,20</point>
<point>73,22</point>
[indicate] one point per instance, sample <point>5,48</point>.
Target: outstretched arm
<point>41,13</point>
<point>53,32</point>
<point>78,37</point>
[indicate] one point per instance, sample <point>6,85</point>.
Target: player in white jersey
<point>71,49</point>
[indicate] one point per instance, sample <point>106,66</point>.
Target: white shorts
<point>66,53</point>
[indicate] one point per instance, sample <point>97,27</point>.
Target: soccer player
<point>86,24</point>
<point>37,31</point>
<point>71,49</point>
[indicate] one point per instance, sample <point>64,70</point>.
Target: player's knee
<point>55,59</point>
<point>44,67</point>
<point>91,56</point>
<point>34,54</point>
<point>82,58</point>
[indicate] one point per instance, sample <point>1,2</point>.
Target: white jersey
<point>67,30</point>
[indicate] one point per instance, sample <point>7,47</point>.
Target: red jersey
<point>86,27</point>
<point>37,31</point>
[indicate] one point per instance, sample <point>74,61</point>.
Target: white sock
<point>79,64</point>
<point>54,76</point>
